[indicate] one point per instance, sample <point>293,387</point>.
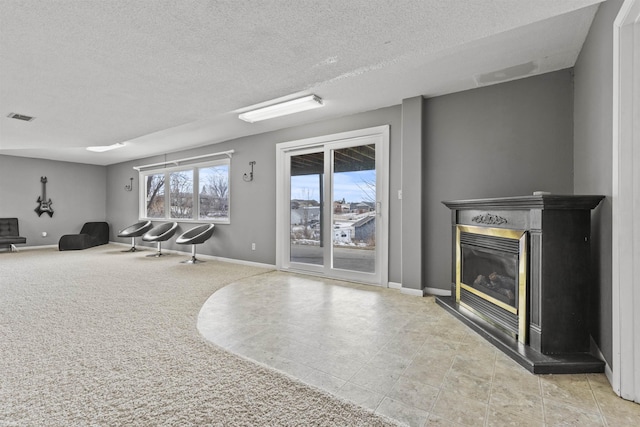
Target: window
<point>154,196</point>
<point>197,192</point>
<point>181,200</point>
<point>214,192</point>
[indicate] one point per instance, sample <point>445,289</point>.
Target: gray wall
<point>508,139</point>
<point>593,159</point>
<point>413,271</point>
<point>253,206</point>
<point>77,192</point>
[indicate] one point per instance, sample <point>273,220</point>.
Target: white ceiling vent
<point>20,117</point>
<point>510,73</point>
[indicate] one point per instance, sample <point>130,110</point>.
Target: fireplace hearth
<point>520,277</point>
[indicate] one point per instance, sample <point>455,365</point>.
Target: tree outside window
<point>155,195</point>
<point>214,192</point>
<point>181,194</point>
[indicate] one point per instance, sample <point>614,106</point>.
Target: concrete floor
<point>401,356</point>
<point>354,259</point>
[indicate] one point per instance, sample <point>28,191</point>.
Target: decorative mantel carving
<point>489,219</point>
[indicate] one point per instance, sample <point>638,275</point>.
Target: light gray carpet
<point>105,338</point>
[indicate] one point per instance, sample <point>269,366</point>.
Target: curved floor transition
<point>399,355</point>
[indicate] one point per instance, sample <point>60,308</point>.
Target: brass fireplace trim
<point>489,298</point>
<point>521,310</point>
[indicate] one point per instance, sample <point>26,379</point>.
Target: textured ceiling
<point>163,75</point>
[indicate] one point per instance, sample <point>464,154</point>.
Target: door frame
<point>283,199</point>
<point>625,375</point>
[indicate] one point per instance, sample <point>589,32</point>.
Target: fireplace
<point>520,277</point>
<point>491,276</point>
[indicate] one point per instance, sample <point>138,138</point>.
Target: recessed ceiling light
<point>282,109</point>
<point>22,117</point>
<point>103,148</point>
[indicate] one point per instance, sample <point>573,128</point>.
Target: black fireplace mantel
<point>558,280</point>
<point>540,201</point>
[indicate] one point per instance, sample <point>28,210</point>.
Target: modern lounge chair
<point>92,234</point>
<point>159,234</point>
<point>9,234</point>
<point>133,231</point>
<point>193,237</point>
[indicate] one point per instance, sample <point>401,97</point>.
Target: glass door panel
<point>306,203</point>
<point>354,203</point>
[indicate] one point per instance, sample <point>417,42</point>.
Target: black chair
<point>133,231</point>
<point>160,234</point>
<point>92,234</point>
<point>9,234</point>
<point>193,237</point>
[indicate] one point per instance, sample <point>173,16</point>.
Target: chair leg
<point>158,253</point>
<point>13,248</point>
<point>193,259</point>
<point>133,245</point>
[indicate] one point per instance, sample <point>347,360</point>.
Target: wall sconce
<point>248,177</point>
<point>130,186</point>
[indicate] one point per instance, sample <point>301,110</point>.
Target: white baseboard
<point>608,373</point>
<point>203,256</point>
<point>406,291</point>
<point>395,285</point>
<point>607,369</point>
<point>32,248</point>
<point>237,261</point>
<point>412,292</point>
<point>418,292</point>
<point>437,292</point>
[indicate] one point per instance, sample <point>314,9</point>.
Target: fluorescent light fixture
<point>282,109</point>
<point>103,148</point>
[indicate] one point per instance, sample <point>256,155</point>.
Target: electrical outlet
<point>253,246</point>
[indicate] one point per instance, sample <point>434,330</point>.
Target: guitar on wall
<point>44,205</point>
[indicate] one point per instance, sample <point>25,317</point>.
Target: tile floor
<point>401,356</point>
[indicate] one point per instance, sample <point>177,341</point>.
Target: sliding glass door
<point>332,206</point>
<point>354,201</point>
<point>306,189</point>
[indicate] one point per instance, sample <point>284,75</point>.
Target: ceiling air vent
<point>20,117</point>
<point>510,73</point>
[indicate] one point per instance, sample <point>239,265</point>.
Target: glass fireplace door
<point>491,276</point>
